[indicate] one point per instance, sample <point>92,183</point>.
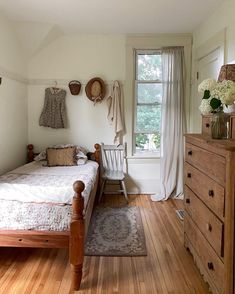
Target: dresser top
<point>228,144</point>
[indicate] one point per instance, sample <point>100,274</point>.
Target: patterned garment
<point>54,110</point>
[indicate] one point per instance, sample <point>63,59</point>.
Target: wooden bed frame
<point>73,239</point>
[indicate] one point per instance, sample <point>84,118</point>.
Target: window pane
<point>148,118</point>
<point>149,93</point>
<point>149,67</point>
<point>147,142</point>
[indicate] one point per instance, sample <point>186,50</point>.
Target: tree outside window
<point>148,98</point>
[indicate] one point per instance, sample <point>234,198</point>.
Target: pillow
<point>81,161</point>
<point>81,158</point>
<point>80,152</point>
<point>61,156</point>
<point>41,156</point>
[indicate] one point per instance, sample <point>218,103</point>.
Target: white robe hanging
<point>115,115</point>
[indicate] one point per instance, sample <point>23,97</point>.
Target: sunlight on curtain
<point>173,124</point>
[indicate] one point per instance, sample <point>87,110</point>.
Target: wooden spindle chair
<point>112,163</point>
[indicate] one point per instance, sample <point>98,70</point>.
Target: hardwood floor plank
<point>23,278</point>
<point>41,275</point>
<point>168,267</point>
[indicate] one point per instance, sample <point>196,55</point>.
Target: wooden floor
<point>168,268</point>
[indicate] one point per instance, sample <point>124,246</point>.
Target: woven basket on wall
<point>74,87</point>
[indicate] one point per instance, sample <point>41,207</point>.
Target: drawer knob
<point>189,175</point>
<point>190,152</point>
<point>207,125</point>
<point>187,200</point>
<point>210,266</point>
<point>211,193</point>
<point>209,227</point>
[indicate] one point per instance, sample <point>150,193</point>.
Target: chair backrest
<point>113,156</point>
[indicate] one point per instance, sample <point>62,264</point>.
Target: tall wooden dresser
<point>209,206</point>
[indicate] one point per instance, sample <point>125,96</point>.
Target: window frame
<point>144,153</point>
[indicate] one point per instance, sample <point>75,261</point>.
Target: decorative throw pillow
<point>61,156</point>
<point>80,153</point>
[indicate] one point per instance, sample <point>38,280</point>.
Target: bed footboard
<point>73,238</point>
<point>77,235</point>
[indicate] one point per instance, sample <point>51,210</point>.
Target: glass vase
<point>220,125</point>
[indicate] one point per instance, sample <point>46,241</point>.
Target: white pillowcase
<point>41,156</point>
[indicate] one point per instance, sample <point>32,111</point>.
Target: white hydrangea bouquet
<point>216,95</point>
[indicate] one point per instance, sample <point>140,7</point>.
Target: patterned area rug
<point>116,232</point>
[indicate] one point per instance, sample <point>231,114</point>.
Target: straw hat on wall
<point>95,90</point>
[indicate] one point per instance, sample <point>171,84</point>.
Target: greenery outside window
<point>148,101</point>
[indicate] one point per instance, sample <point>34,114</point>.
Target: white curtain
<point>173,124</point>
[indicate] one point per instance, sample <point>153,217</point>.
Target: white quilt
<point>34,182</point>
<point>36,197</point>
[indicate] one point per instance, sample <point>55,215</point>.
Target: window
<point>148,99</point>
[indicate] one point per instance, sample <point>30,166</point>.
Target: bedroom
<point>37,50</point>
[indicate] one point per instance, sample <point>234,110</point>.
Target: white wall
<point>13,99</point>
<point>82,57</point>
<point>11,57</point>
<point>72,57</point>
<point>87,123</point>
<point>222,18</point>
<point>221,21</point>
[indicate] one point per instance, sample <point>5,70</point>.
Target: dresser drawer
<point>210,163</point>
<point>210,226</point>
<point>211,262</point>
<point>206,125</point>
<point>209,191</point>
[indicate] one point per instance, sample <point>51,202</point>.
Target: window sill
<point>144,156</point>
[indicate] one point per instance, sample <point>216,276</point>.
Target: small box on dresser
<point>209,207</point>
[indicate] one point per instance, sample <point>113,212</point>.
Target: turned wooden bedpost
<point>97,153</point>
<point>30,153</point>
<point>77,235</point>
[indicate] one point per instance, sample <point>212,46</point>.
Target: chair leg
<point>121,187</point>
<point>102,190</point>
<point>124,190</point>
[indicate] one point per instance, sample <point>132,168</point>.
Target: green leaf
<point>215,103</point>
<point>207,94</point>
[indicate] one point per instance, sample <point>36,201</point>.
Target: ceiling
<point>113,16</point>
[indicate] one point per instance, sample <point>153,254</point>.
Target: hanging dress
<point>54,110</point>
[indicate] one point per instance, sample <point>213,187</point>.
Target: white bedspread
<point>17,215</point>
<point>34,182</point>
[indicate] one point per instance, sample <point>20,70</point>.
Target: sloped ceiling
<point>113,16</point>
<point>37,23</point>
<point>33,36</point>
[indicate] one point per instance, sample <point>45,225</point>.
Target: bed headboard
<point>30,153</point>
<point>95,155</point>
